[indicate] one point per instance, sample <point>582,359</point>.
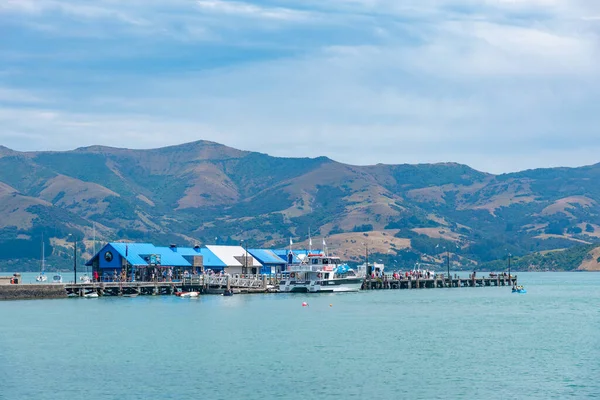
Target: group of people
<point>414,274</point>
<point>155,274</point>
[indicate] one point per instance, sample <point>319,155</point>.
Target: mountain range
<point>206,193</point>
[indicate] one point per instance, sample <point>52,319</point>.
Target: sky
<point>500,85</point>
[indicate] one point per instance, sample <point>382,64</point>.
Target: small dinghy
<point>519,289</point>
<point>130,295</point>
<point>187,294</point>
<point>91,295</point>
<point>228,292</point>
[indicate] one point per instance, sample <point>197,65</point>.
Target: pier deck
<point>217,284</point>
<point>457,282</point>
<point>203,284</point>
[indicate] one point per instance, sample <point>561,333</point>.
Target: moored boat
<point>187,294</point>
<point>57,278</point>
<point>320,274</point>
<point>42,277</point>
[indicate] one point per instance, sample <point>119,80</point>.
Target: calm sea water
<point>471,343</point>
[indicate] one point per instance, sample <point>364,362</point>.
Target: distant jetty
<point>11,288</point>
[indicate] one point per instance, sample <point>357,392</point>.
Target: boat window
<point>325,261</point>
<point>327,276</point>
<point>315,260</point>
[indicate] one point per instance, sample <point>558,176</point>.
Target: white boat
<point>320,274</point>
<point>57,278</point>
<point>85,279</point>
<point>41,277</point>
<point>91,295</point>
<point>187,294</point>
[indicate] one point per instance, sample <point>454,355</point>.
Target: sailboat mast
<point>43,251</point>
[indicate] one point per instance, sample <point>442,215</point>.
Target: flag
<point>324,244</point>
<point>291,243</point>
<point>310,242</point>
<point>126,250</point>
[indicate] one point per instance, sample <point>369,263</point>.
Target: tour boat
<point>187,294</point>
<point>320,274</point>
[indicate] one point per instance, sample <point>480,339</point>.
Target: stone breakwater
<point>27,292</point>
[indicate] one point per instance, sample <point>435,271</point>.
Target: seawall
<point>27,292</point>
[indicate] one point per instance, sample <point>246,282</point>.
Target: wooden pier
<point>388,282</point>
<point>203,284</point>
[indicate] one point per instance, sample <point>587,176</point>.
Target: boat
<point>320,273</point>
<point>519,289</point>
<point>228,292</point>
<point>41,277</point>
<point>85,279</point>
<point>91,295</point>
<point>57,278</point>
<point>130,295</point>
<point>187,294</point>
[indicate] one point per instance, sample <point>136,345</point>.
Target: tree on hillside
<point>589,228</point>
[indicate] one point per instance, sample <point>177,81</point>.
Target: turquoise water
<point>468,343</point>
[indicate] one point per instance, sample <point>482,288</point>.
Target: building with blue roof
<point>271,262</point>
<point>128,260</point>
<point>200,257</point>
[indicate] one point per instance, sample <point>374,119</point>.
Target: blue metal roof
<point>266,256</point>
<point>188,251</point>
<point>171,258</point>
<point>283,254</point>
<point>210,260</point>
<point>132,251</point>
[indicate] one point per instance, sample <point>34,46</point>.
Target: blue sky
<point>501,85</point>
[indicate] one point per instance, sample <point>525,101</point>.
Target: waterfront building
<point>236,259</point>
<point>126,261</point>
<point>201,258</point>
<point>272,263</point>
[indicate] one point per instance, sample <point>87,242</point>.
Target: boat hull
<point>188,294</point>
<point>329,286</point>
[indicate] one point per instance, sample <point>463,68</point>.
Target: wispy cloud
<point>251,10</point>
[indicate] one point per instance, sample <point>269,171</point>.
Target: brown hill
<point>204,190</point>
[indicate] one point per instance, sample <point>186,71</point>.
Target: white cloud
<point>250,10</point>
<point>373,81</point>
